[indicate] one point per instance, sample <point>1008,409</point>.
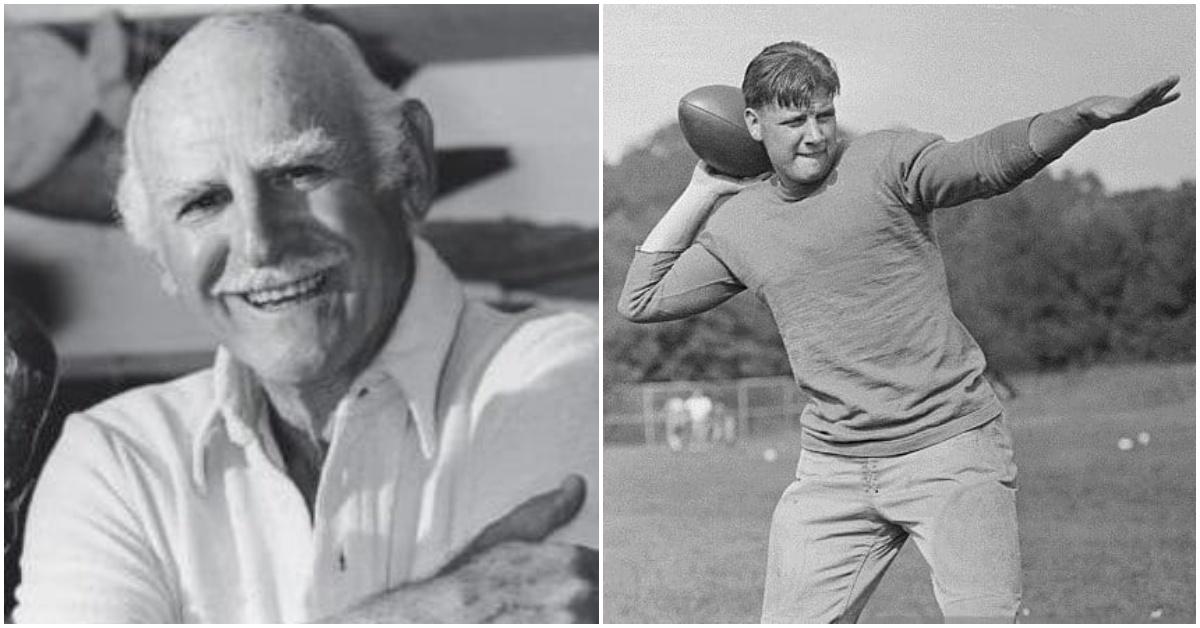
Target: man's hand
<point>1101,111</point>
<point>518,582</point>
<point>507,574</point>
<point>711,183</point>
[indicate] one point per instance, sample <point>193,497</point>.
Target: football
<point>714,126</point>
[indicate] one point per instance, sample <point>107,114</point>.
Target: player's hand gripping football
<point>1101,111</point>
<point>709,182</point>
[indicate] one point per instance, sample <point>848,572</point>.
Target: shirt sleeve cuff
<point>674,252</point>
<point>1052,133</point>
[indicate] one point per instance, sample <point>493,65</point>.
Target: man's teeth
<point>282,294</point>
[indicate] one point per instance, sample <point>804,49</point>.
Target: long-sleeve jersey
<point>853,275</point>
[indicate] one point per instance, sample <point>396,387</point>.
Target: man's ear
<point>753,124</point>
<point>418,126</point>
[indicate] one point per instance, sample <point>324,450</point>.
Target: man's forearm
<point>436,601</point>
<point>514,582</point>
<point>678,227</point>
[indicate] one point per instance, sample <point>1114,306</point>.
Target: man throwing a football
<point>903,436</point>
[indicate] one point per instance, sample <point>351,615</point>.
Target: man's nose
<point>260,228</point>
<point>813,134</point>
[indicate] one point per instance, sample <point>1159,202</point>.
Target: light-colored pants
<point>844,519</point>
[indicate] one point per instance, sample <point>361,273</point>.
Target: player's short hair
<point>395,163</point>
<point>789,74</point>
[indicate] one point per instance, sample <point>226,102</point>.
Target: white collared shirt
<point>171,503</point>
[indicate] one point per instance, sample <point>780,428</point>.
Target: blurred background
<point>514,92</point>
<point>1079,285</point>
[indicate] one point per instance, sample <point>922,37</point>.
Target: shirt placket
<point>351,542</point>
<point>283,514</point>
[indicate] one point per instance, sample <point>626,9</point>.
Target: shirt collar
<point>411,358</point>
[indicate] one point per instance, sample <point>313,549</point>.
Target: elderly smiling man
<point>369,445</point>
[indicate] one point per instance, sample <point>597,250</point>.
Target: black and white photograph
<point>899,313</point>
<point>600,313</point>
<point>301,313</point>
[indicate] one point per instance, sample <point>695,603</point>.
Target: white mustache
<point>254,279</point>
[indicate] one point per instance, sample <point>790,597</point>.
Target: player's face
<point>267,226</point>
<point>800,141</point>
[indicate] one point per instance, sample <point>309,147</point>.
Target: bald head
<point>251,54</point>
<point>269,70</point>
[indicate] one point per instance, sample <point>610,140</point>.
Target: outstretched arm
<point>931,173</point>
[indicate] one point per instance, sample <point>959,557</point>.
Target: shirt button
<point>363,393</point>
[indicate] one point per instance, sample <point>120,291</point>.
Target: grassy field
<point>1106,535</point>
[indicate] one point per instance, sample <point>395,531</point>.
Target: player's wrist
<point>1084,113</point>
<point>700,197</point>
<point>1052,133</point>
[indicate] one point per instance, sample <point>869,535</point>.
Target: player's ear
<point>753,124</point>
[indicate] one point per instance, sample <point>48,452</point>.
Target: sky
<point>955,70</point>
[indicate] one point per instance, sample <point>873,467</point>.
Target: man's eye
<point>302,177</point>
<point>206,202</point>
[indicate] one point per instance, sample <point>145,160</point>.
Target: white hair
<point>396,162</point>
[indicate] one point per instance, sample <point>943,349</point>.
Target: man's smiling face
<point>265,220</point>
<point>800,141</point>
